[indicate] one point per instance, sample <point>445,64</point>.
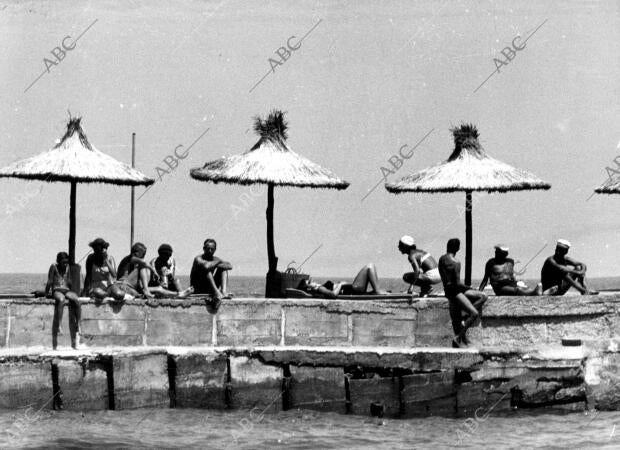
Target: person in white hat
<point>560,272</point>
<point>500,271</point>
<point>425,272</point>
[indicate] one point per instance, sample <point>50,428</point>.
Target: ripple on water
<point>183,428</point>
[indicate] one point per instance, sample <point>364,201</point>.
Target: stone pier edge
<point>395,382</point>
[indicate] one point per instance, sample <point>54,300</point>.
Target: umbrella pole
<point>271,251</point>
<point>133,189</point>
<point>72,223</point>
<point>468,238</point>
<point>274,281</point>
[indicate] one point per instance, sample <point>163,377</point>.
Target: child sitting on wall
<point>59,285</point>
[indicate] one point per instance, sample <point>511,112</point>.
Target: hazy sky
<point>369,78</point>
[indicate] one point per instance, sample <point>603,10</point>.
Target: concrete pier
<point>389,358</point>
<point>507,321</point>
<point>398,383</point>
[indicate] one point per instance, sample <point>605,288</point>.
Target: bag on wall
<point>291,279</point>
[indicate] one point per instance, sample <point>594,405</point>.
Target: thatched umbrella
<point>468,169</point>
<point>610,186</point>
<point>270,161</point>
<point>75,160</point>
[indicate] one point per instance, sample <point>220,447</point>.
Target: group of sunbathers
<point>134,277</point>
<point>209,275</point>
<point>559,273</point>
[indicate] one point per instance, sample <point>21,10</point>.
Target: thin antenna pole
<point>133,189</point>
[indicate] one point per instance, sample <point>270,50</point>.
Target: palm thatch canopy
<point>269,161</point>
<point>610,186</point>
<point>468,168</point>
<point>75,159</point>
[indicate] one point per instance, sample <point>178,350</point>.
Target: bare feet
<point>551,291</point>
<point>186,292</point>
<point>462,342</point>
<point>538,290</point>
<point>426,291</point>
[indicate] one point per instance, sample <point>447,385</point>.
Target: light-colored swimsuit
<point>433,275</point>
<point>166,272</point>
<point>60,282</point>
<point>100,277</point>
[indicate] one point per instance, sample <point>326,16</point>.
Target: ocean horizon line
<point>343,277</point>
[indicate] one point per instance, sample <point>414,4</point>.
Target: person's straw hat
<point>99,242</point>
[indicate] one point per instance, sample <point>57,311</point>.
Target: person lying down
<point>366,278</point>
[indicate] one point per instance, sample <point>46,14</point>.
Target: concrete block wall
<point>406,383</point>
<point>507,321</point>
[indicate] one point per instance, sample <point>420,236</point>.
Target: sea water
<point>247,286</point>
<point>303,429</point>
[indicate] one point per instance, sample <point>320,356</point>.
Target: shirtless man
<point>425,272</point>
<point>209,273</point>
<point>559,273</point>
<point>461,298</point>
<point>500,270</point>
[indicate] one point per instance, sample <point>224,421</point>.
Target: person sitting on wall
<point>165,265</point>
<point>425,273</point>
<point>500,270</point>
<point>209,274</point>
<point>365,278</point>
<point>461,298</point>
<point>134,274</point>
<point>100,270</point>
<point>560,272</point>
<point>59,287</point>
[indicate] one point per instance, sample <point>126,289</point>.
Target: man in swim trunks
<point>209,273</point>
<point>559,273</point>
<point>500,270</point>
<point>461,298</point>
<point>425,273</point>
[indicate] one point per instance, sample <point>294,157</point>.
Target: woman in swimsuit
<point>100,270</point>
<point>425,272</point>
<point>59,287</point>
<point>365,278</point>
